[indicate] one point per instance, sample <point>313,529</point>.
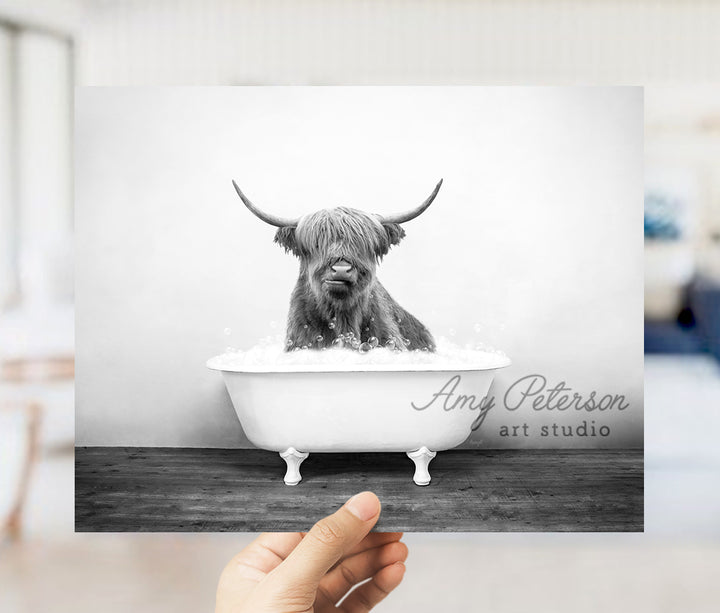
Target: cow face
<point>339,250</point>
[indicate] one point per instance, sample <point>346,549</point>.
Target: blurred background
<point>672,47</point>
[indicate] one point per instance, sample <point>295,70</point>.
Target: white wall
<point>536,235</point>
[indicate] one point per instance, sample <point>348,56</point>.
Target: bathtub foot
<point>422,458</point>
<point>293,458</point>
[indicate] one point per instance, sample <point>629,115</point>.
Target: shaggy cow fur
<point>337,291</point>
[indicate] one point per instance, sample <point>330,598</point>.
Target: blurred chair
<point>21,375</point>
<point>12,523</point>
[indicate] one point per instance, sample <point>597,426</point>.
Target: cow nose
<point>342,266</point>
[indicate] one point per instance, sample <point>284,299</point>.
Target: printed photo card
<point>288,295</point>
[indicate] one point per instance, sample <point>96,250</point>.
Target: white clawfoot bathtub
<point>418,409</point>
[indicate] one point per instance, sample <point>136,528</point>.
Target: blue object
<point>697,327</point>
<point>705,303</point>
<point>662,217</point>
<point>670,337</point>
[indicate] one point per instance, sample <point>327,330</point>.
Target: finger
<point>359,567</point>
<point>264,554</point>
<point>372,540</point>
<point>365,597</point>
<point>375,539</point>
<point>328,540</point>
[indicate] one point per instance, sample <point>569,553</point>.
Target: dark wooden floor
<point>120,489</point>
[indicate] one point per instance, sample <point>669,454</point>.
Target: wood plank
<point>135,489</point>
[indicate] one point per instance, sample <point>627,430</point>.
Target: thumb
<point>328,541</point>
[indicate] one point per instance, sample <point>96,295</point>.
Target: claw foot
<point>293,458</point>
<point>422,458</point>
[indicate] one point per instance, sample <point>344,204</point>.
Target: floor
<point>121,489</point>
<point>682,455</point>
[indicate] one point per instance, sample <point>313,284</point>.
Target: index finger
<point>371,541</point>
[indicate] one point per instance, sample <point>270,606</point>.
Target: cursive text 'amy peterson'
<point>534,390</point>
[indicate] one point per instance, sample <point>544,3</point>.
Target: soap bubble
<point>406,341</point>
<point>390,351</point>
<point>372,319</point>
<point>319,338</point>
<point>305,326</point>
<point>227,331</point>
<point>355,343</point>
<point>331,325</point>
<point>373,341</point>
<point>367,329</point>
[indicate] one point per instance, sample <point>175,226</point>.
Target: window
<point>36,80</point>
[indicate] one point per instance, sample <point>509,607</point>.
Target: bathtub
<point>418,409</point>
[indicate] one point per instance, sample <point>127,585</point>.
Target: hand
<point>296,573</point>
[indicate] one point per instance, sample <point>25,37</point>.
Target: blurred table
<point>23,371</point>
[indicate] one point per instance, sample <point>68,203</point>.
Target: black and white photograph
<point>286,295</point>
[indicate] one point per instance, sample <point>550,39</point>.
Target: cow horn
<point>266,217</point>
<point>412,214</point>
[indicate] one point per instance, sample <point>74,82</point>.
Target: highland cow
<point>338,300</point>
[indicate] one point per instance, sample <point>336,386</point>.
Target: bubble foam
<point>274,358</point>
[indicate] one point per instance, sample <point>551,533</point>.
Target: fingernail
<point>364,505</point>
